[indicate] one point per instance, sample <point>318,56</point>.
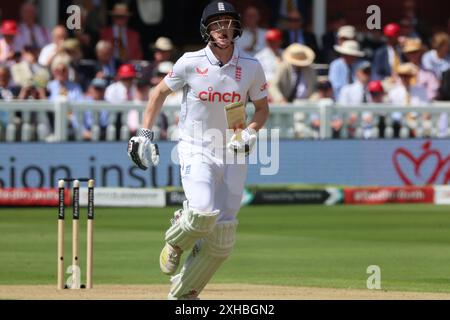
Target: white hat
<point>298,55</point>
<point>165,67</point>
<point>349,48</point>
<point>347,32</point>
<point>163,43</point>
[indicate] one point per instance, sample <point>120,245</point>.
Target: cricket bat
<point>235,113</point>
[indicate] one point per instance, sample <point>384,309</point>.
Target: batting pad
<point>205,259</point>
<point>192,225</point>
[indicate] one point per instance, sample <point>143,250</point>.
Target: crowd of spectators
<point>37,64</point>
<point>405,68</point>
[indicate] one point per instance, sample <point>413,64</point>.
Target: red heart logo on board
<point>410,177</point>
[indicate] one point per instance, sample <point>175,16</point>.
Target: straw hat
<point>163,44</point>
<point>412,45</point>
<point>349,48</point>
<point>407,69</point>
<point>299,55</point>
<point>120,9</point>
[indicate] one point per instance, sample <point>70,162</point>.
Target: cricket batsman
<point>217,82</point>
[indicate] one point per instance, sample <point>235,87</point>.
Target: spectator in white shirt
<point>438,59</point>
<point>253,37</point>
<point>30,33</point>
<point>406,94</point>
<point>59,34</point>
<point>356,94</point>
<point>122,91</point>
<point>270,56</point>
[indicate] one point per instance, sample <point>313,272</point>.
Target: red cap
<point>273,35</point>
<point>391,30</point>
<point>375,86</point>
<point>9,27</point>
<point>126,71</point>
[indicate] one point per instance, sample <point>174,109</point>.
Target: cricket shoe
<point>169,259</point>
<point>170,255</point>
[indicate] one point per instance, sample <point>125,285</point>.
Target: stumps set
<point>75,268</point>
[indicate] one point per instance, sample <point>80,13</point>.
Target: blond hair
<point>439,40</point>
<point>103,44</point>
<point>60,59</point>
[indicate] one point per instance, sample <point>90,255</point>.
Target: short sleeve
<point>258,88</point>
<point>343,97</point>
<point>176,79</point>
<point>426,61</point>
<point>109,93</point>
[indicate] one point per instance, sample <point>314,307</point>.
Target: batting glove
<point>142,151</point>
<point>243,142</point>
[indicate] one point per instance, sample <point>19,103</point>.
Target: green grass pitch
<point>281,245</point>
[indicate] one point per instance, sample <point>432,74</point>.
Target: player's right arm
<point>154,105</point>
<point>141,149</point>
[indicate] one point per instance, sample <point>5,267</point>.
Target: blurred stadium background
<point>364,122</point>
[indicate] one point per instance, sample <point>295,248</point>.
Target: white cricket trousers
<point>212,185</point>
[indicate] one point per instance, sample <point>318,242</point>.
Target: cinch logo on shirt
<point>214,96</point>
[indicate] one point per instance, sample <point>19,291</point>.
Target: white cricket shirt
<point>207,88</point>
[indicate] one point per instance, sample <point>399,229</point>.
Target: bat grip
<point>238,135</point>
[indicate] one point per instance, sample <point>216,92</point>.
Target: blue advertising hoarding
<point>341,162</point>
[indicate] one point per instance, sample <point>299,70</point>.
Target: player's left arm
<point>258,95</point>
